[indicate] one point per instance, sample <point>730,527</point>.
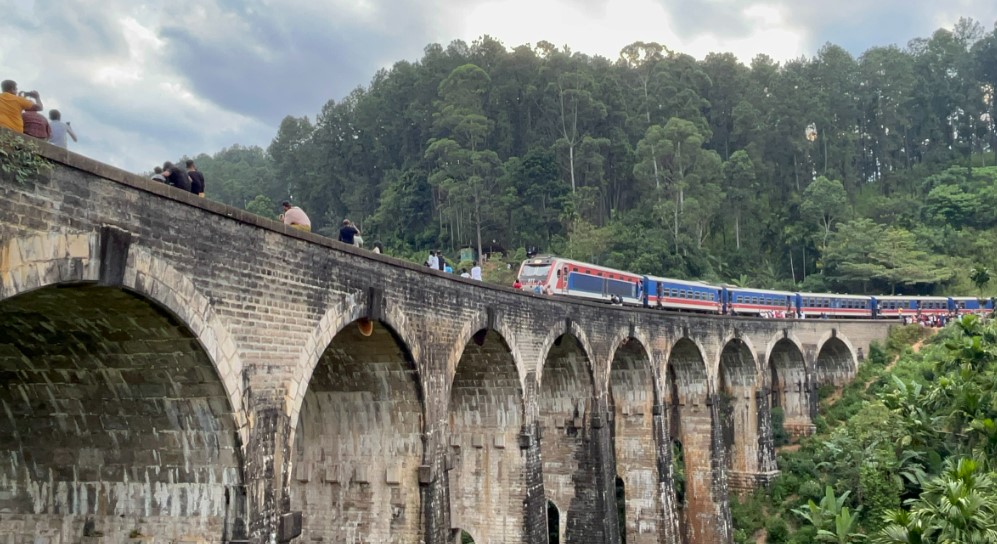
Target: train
<point>566,277</point>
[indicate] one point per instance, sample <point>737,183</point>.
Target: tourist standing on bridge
<point>349,233</point>
<point>176,176</point>
<point>196,179</point>
<point>59,130</point>
<point>433,261</point>
<point>295,217</point>
<point>476,271</point>
<point>11,106</point>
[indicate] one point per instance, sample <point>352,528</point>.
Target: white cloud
<point>604,28</point>
<point>145,82</point>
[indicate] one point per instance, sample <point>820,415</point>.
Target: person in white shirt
<point>59,129</point>
<point>464,274</point>
<point>433,261</point>
<point>476,271</point>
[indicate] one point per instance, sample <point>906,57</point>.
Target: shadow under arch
<point>555,523</point>
<point>358,440</point>
<point>691,430</point>
<point>111,395</point>
<point>35,262</point>
<point>565,403</point>
<point>485,417</point>
<point>638,429</point>
<point>790,391</point>
<point>554,338</point>
<point>737,410</point>
<point>836,363</point>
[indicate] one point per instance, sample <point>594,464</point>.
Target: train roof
<point>835,295</point>
<point>909,297</point>
<point>761,291</point>
<point>694,283</point>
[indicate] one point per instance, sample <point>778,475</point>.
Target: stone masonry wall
<point>189,369</point>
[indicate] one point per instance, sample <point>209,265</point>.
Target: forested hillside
<point>872,174</point>
<point>904,455</point>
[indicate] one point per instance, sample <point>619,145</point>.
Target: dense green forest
<point>873,174</point>
<point>904,455</point>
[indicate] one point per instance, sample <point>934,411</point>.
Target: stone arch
<point>358,438</point>
<point>556,522</point>
<point>637,428</point>
<point>554,335</point>
<point>486,465</point>
<point>343,312</point>
<point>786,374</point>
<point>691,427</point>
<point>566,391</point>
<point>836,362</point>
<point>737,411</point>
<point>150,370</point>
<point>473,329</point>
<point>66,258</point>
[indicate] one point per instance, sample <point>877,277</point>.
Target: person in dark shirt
<point>176,177</point>
<point>348,233</point>
<point>196,179</point>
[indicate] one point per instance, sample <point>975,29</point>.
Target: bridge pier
<point>574,445</point>
<point>698,443</point>
<point>640,447</point>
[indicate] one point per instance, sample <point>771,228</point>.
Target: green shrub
<point>777,530</point>
<point>811,489</point>
<point>748,512</point>
<point>804,535</point>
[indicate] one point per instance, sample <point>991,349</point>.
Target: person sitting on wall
<point>295,217</point>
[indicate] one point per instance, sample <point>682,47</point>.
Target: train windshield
<point>534,272</point>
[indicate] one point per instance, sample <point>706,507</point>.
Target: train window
<point>712,296</point>
<point>754,300</point>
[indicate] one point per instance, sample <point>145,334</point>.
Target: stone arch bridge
<point>172,369</point>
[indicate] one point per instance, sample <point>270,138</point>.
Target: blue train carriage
<point>748,301</point>
<point>971,305</point>
<point>900,305</point>
<point>685,295</point>
<point>671,294</point>
<point>831,305</point>
<point>558,276</point>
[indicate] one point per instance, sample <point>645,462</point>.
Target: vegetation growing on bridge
<point>829,173</point>
<point>904,456</point>
<point>19,158</point>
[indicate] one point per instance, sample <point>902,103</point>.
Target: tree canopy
<point>660,163</point>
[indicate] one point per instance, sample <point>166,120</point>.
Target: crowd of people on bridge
<point>437,261</point>
<point>20,111</point>
<point>187,178</point>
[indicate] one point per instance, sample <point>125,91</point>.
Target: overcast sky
<point>144,82</point>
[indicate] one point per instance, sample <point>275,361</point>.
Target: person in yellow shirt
<point>12,105</point>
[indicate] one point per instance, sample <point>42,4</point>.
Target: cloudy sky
<point>143,82</point>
